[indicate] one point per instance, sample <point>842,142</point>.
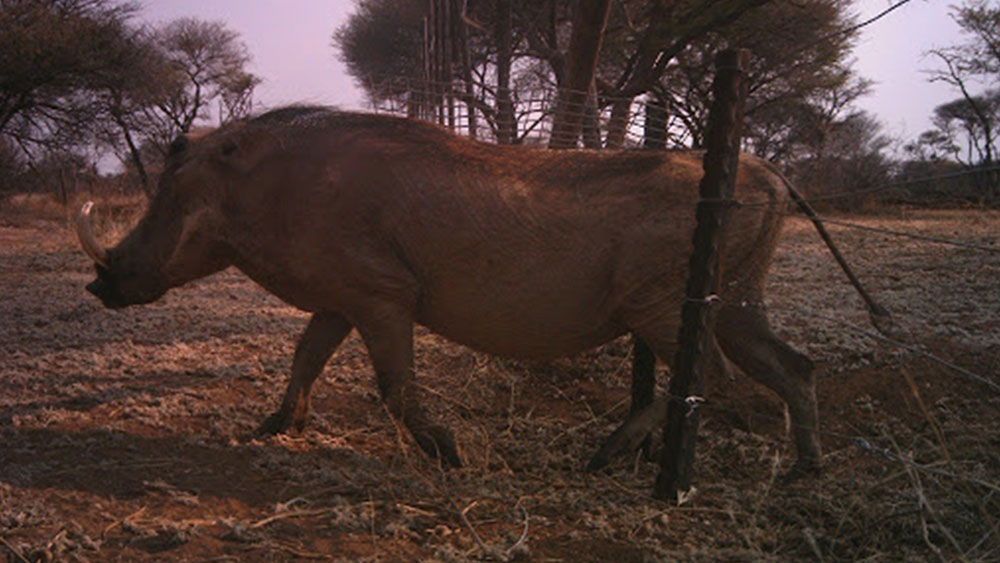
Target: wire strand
<point>890,232</point>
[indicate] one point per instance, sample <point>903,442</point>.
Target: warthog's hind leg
<point>747,340</point>
<point>322,336</point>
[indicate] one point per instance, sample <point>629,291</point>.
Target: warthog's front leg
<point>321,338</point>
<point>388,334</point>
<point>643,389</point>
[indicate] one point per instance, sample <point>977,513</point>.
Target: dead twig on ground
<point>475,535</point>
<point>15,551</point>
<point>586,423</point>
<point>296,551</point>
<point>519,545</point>
<point>371,504</point>
<point>290,514</point>
<point>121,521</point>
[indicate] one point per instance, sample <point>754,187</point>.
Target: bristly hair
<point>291,113</point>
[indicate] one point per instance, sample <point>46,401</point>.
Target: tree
<point>851,158</point>
<point>76,76</point>
<point>519,58</point>
<point>53,55</point>
<point>124,103</point>
<point>206,64</point>
<point>581,62</point>
<point>972,119</point>
<point>672,28</point>
<point>63,173</point>
<point>796,81</point>
<point>972,122</point>
<point>11,167</point>
<point>511,55</point>
<point>176,77</point>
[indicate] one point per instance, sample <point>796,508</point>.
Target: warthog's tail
<point>880,317</point>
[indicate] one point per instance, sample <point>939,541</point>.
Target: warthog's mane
<point>310,116</point>
<point>295,114</point>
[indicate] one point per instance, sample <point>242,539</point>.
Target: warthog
<point>376,223</point>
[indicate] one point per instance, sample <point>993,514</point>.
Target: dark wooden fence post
<point>722,145</point>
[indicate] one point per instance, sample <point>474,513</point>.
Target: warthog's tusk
<point>89,243</point>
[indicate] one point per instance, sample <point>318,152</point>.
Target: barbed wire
<point>899,344</point>
<point>533,125</point>
<point>894,184</point>
<point>858,26</point>
<point>865,444</point>
<point>861,442</point>
<point>890,232</point>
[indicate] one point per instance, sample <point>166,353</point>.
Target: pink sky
<point>290,41</point>
<point>291,44</point>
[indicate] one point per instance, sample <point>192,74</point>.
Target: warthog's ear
<point>243,151</point>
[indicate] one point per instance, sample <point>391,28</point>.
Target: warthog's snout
<point>106,293</point>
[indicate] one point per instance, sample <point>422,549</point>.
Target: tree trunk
<point>470,93</point>
<point>505,106</point>
<point>655,127</point>
<point>446,59</point>
<point>620,111</point>
<point>438,64</point>
<point>136,157</point>
<point>591,122</point>
<point>589,21</point>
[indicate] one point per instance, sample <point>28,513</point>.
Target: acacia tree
<point>382,45</point>
<point>123,104</point>
<point>54,54</point>
<point>797,83</point>
<point>76,75</point>
<point>171,79</point>
<point>205,64</point>
<point>589,21</point>
<point>851,158</point>
<point>519,52</point>
<point>966,129</point>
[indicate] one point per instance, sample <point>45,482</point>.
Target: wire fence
<point>869,445</point>
<point>630,123</point>
<point>534,117</point>
<point>475,113</point>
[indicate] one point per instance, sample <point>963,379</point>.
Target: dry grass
<point>112,217</point>
<point>128,435</point>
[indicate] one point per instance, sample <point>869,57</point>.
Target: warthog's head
<point>178,240</point>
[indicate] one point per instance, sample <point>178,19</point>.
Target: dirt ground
<point>128,435</point>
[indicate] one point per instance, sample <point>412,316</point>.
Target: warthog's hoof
<point>621,443</point>
<point>437,442</point>
<point>279,423</point>
<point>634,433</point>
<point>802,468</point>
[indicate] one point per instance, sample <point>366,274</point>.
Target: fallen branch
<point>290,514</point>
<point>14,550</point>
